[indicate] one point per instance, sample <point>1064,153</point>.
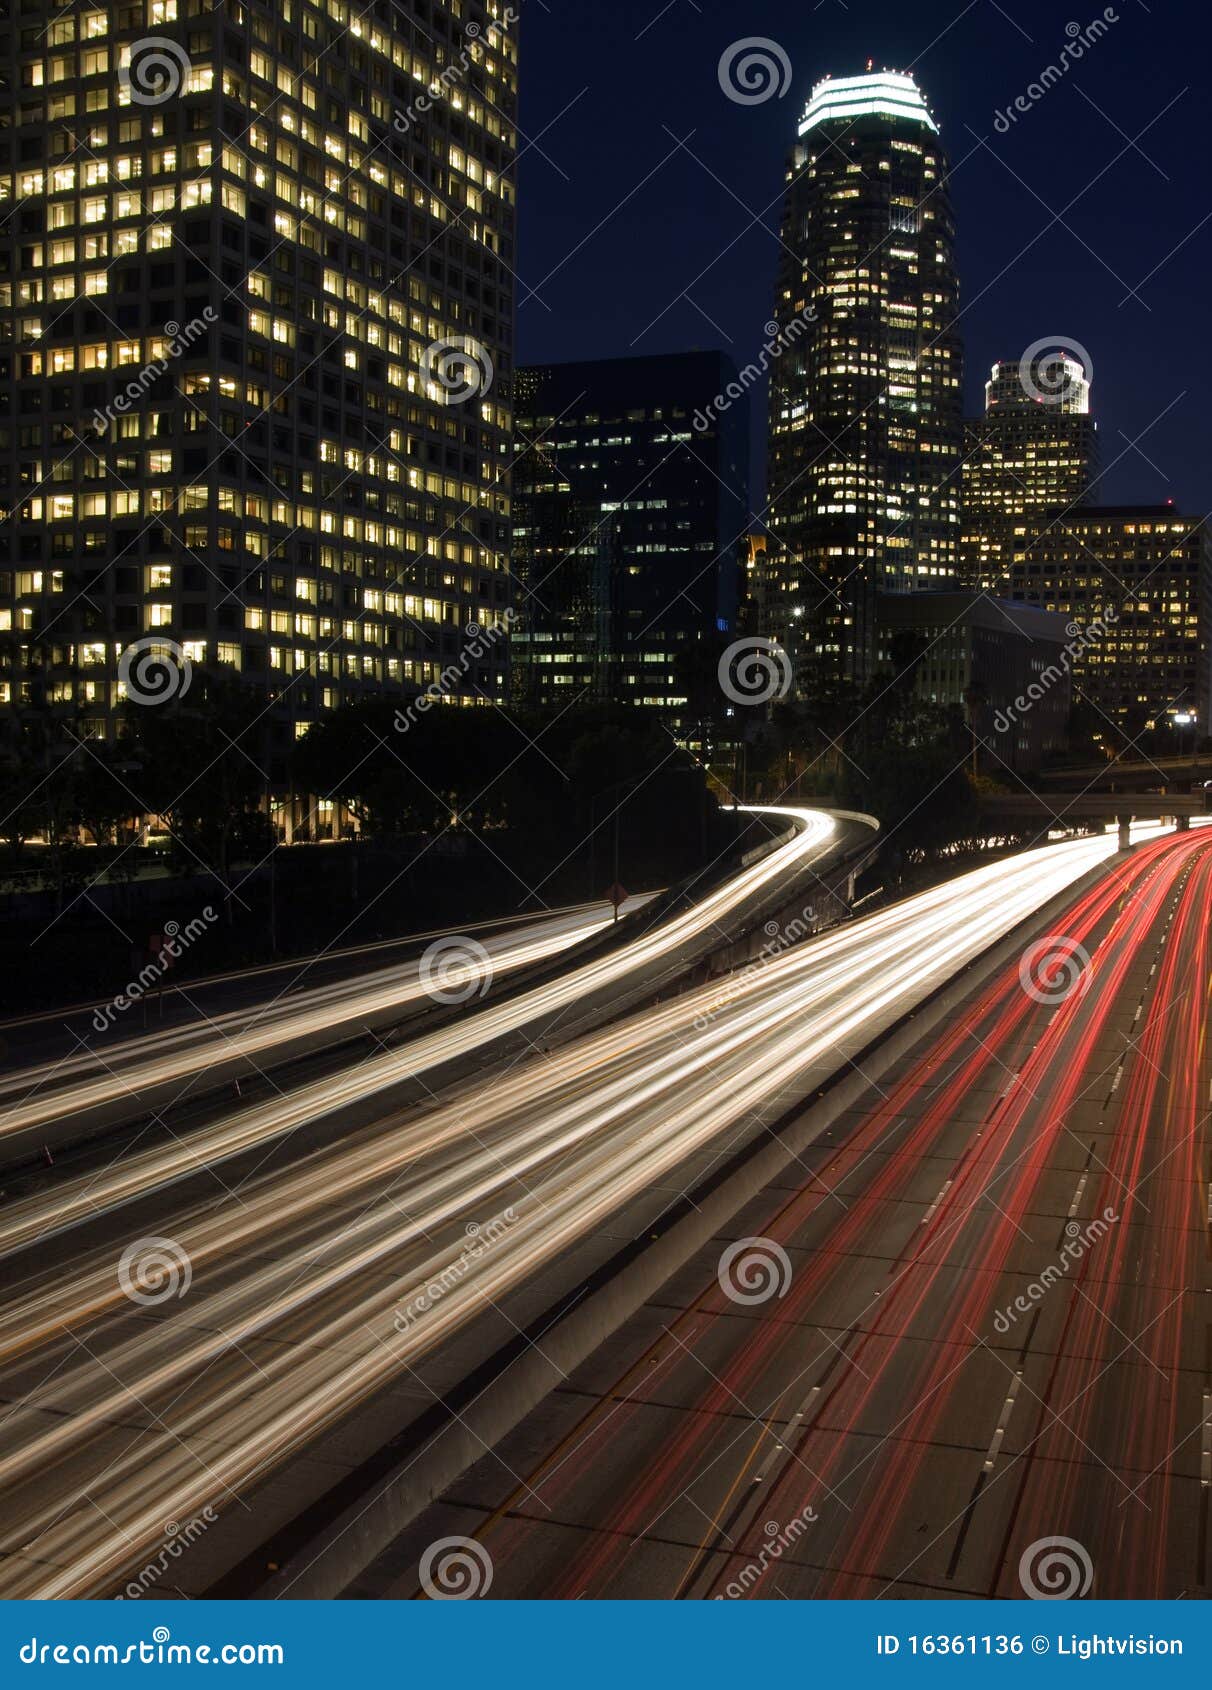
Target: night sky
<point>685,252</point>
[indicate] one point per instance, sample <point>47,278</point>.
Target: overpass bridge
<point>1157,772</point>
<point>1072,808</point>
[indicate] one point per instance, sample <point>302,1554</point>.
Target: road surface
<point>155,1377</point>
<point>963,1350</point>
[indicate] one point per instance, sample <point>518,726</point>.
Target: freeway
<point>106,1084</point>
<point>962,1349</point>
<point>451,969</point>
<point>651,957</point>
<point>38,1038</point>
<point>161,1377</point>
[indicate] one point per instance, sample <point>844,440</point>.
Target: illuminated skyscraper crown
<point>883,93</point>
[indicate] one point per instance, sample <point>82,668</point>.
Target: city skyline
<point>583,1023</point>
<point>685,149</point>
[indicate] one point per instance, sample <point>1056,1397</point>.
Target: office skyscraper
<point>1034,450</point>
<point>258,313</point>
<point>866,407</point>
<point>631,507</point>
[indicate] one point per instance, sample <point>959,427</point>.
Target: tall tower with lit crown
<point>866,405</point>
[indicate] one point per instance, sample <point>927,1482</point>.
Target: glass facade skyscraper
<point>1034,450</point>
<point>631,506</point>
<point>866,406</point>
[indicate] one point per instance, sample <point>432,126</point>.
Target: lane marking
<point>784,1438</point>
<point>1007,1411</point>
<point>930,1211</point>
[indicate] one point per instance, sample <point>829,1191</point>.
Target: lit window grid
<point>371,322</point>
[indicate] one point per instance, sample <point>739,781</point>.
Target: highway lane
<point>113,1068</point>
<point>971,1354</point>
<point>122,1076</point>
<point>43,1037</point>
<point>172,1380</point>
<point>138,1172</point>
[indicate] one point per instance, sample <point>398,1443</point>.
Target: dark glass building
<point>976,656</point>
<point>631,510</point>
<point>866,407</point>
